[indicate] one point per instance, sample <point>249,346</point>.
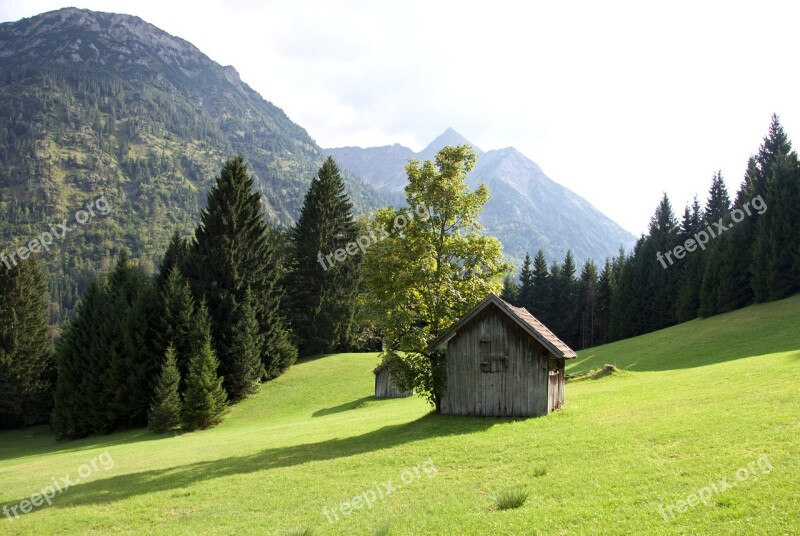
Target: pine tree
<point>688,299</point>
<point>27,367</point>
<point>82,361</point>
<point>541,301</point>
<point>510,291</point>
<point>165,410</point>
<point>108,355</point>
<point>605,290</point>
<point>727,263</point>
<point>718,206</point>
<point>775,169</point>
<point>565,302</point>
<point>230,253</point>
<point>658,277</point>
<point>525,295</point>
<point>587,304</point>
<point>205,401</point>
<point>174,258</point>
<point>179,322</point>
<point>322,292</point>
<point>144,352</point>
<point>128,337</point>
<point>246,372</point>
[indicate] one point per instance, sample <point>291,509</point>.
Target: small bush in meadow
<point>510,498</point>
<point>382,530</point>
<point>301,531</point>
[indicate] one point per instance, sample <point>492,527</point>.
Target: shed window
<point>495,364</point>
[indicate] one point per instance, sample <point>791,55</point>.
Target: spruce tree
<point>174,258</point>
<point>605,290</point>
<point>718,205</point>
<point>205,401</point>
<point>727,263</point>
<point>246,372</point>
<point>565,302</point>
<point>144,352</point>
<point>231,252</point>
<point>510,291</point>
<point>27,367</point>
<point>690,281</point>
<point>165,409</point>
<point>776,163</point>
<point>658,276</point>
<point>179,322</point>
<point>322,291</point>
<point>108,355</point>
<point>526,289</point>
<point>82,360</point>
<point>587,304</point>
<point>541,299</point>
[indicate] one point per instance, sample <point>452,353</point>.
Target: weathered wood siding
<point>384,388</point>
<point>496,369</point>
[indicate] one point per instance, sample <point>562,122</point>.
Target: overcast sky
<point>617,101</point>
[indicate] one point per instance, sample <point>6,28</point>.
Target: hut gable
<point>502,361</point>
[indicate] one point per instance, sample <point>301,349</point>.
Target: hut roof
<point>386,362</point>
<point>521,317</point>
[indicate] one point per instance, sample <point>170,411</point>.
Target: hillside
<point>107,104</point>
<point>527,211</point>
<point>694,404</point>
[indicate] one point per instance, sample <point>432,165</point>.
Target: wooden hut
<point>384,387</point>
<point>501,361</point>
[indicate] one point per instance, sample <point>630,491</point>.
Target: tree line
<point>226,310</point>
<point>235,304</point>
<point>719,257</point>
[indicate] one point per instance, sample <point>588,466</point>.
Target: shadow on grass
<point>41,440</point>
<point>355,404</point>
<point>122,487</point>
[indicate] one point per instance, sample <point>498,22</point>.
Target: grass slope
<point>694,403</point>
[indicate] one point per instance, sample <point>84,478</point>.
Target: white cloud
<point>619,101</point>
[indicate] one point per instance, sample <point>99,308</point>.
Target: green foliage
<point>432,264</point>
<point>247,370</point>
<point>145,131</point>
<point>526,284</point>
<point>232,253</point>
<point>174,259</point>
<point>27,367</point>
<point>205,401</point>
<point>166,407</point>
<point>322,293</point>
<point>510,292</point>
<point>510,498</point>
<point>181,328</point>
<point>541,296</point>
<point>109,355</point>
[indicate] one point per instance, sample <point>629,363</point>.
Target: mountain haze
<point>527,210</point>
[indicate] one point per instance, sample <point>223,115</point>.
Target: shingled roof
<point>521,317</point>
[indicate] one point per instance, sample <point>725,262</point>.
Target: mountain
<point>101,104</point>
<point>527,210</point>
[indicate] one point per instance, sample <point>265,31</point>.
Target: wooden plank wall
<point>517,384</point>
<point>384,388</point>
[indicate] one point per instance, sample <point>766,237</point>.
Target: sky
<point>618,101</point>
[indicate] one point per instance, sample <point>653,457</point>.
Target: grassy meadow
<point>691,405</point>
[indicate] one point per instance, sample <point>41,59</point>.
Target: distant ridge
<point>527,211</point>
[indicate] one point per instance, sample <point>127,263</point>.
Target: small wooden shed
<point>384,387</point>
<point>501,361</point>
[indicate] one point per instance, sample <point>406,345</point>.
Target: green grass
<point>510,498</point>
<point>691,404</point>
